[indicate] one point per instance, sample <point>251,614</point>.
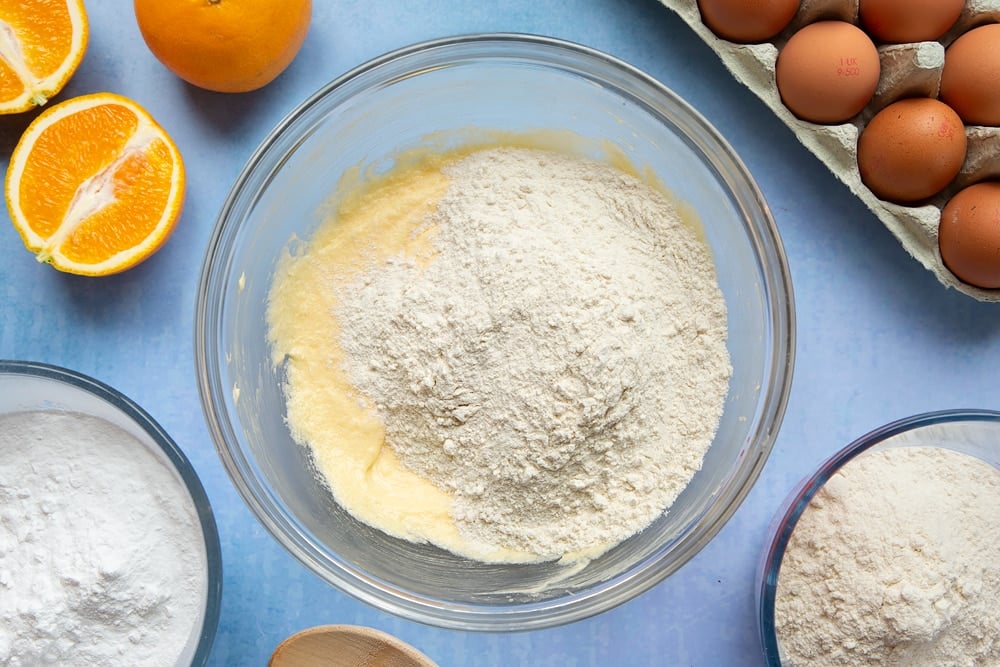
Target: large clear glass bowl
<point>515,83</point>
<point>27,386</point>
<point>972,432</point>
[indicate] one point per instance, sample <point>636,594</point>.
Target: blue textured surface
<point>879,337</point>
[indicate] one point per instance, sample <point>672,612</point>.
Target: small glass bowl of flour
<point>109,553</point>
<point>889,554</point>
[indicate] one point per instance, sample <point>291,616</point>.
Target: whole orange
<point>229,46</point>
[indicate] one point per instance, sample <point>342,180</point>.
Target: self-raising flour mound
<point>896,563</point>
<point>518,355</point>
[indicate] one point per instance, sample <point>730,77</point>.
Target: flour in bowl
<point>895,562</point>
<point>545,344</point>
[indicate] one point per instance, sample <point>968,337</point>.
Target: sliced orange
<point>41,44</point>
<point>95,185</point>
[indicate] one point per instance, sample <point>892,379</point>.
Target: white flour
<point>896,562</point>
<point>101,553</point>
<point>560,367</point>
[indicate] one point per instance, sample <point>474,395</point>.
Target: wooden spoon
<point>346,646</point>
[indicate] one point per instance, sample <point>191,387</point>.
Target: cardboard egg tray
<point>907,70</point>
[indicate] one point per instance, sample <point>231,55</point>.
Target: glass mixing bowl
<point>507,83</point>
<point>972,432</point>
<point>27,386</point>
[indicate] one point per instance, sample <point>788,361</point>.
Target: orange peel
<point>228,46</point>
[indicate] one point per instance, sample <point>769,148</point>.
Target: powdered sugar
<point>559,367</point>
<point>101,554</point>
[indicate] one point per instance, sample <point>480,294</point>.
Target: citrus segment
<point>228,46</point>
<point>95,185</point>
<point>41,44</point>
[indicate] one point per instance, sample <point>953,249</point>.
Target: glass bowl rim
<point>776,284</point>
<point>178,460</point>
<point>796,502</point>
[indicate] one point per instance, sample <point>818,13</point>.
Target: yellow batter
<point>374,219</point>
<point>348,440</point>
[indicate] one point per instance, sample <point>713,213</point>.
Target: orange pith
<point>95,185</point>
<point>41,44</point>
<point>227,46</point>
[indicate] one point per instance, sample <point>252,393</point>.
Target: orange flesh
<point>141,180</point>
<point>142,190</point>
<point>40,33</point>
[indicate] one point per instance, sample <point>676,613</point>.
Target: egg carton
<point>907,70</point>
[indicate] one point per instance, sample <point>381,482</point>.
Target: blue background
<point>879,337</point>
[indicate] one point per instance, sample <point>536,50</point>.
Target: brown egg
<point>911,150</point>
<point>747,20</point>
<point>969,235</point>
<point>827,72</point>
<point>970,81</point>
<point>898,21</point>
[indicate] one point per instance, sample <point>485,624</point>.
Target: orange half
<point>95,185</point>
<point>41,44</point>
